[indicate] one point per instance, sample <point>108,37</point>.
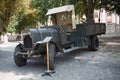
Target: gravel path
<point>81,64</point>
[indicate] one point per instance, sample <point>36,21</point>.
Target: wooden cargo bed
<point>91,29</point>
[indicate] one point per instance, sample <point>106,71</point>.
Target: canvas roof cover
<point>60,9</point>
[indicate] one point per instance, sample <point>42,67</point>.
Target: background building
<point>112,21</point>
<point>106,17</point>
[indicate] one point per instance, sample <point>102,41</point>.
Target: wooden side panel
<point>64,19</point>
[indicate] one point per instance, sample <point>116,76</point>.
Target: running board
<point>70,49</point>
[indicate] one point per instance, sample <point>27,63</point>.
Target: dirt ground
<point>110,45</point>
<point>81,64</point>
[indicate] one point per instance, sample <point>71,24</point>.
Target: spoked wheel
<point>19,60</point>
<point>94,43</point>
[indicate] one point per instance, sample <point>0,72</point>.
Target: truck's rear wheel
<point>19,61</point>
<point>52,52</point>
<point>94,43</point>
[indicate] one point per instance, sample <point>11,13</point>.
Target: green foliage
<point>116,4</point>
<point>20,22</point>
<point>81,7</point>
<point>27,16</point>
<point>12,24</point>
<point>16,15</point>
<point>11,29</point>
<point>42,6</point>
<point>6,11</point>
<point>112,5</point>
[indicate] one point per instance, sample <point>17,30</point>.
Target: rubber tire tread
<point>52,52</point>
<point>94,43</point>
<point>19,61</point>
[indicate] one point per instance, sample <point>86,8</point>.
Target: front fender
<point>48,40</point>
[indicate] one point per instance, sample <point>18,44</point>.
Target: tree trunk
<point>90,11</point>
<point>5,38</point>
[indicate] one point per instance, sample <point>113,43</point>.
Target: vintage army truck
<point>63,36</point>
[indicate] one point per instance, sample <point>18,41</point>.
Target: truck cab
<point>64,16</point>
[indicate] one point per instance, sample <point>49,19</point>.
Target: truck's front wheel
<point>19,61</point>
<point>52,52</point>
<point>93,43</point>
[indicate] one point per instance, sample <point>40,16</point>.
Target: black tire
<point>52,52</point>
<point>19,61</point>
<point>94,43</point>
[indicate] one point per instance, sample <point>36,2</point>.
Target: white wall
<point>104,18</point>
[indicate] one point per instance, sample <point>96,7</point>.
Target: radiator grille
<point>27,41</point>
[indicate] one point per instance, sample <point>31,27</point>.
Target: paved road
<point>81,64</point>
